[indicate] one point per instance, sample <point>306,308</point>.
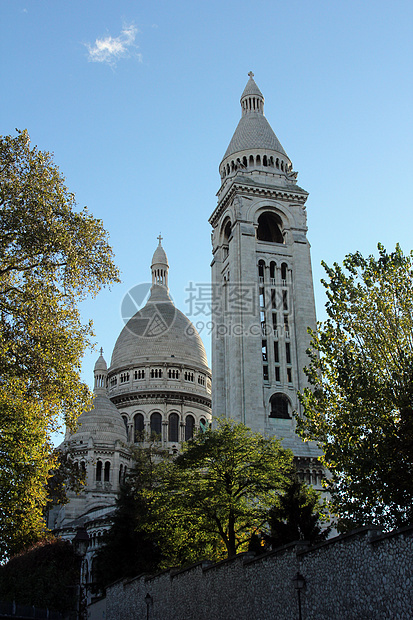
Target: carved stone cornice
<point>153,397</point>
<point>291,194</point>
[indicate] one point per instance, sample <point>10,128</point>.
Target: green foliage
<point>297,515</point>
<point>128,549</point>
<point>66,476</point>
<point>51,257</point>
<point>217,493</point>
<point>45,576</point>
<point>359,406</point>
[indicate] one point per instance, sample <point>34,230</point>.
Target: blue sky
<point>139,100</point>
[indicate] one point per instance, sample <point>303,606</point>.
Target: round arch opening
<point>270,228</point>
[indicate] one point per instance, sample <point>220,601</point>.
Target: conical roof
<point>253,130</point>
<point>251,88</point>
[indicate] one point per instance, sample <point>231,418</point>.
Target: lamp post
<point>81,541</point>
<point>80,544</point>
<point>148,601</point>
<point>299,584</point>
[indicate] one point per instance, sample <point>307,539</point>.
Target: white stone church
<point>159,382</point>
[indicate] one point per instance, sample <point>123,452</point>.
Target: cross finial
<point>101,351</point>
<point>160,238</point>
<point>251,74</point>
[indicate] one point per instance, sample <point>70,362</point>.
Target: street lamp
<point>81,541</point>
<point>148,601</point>
<point>80,544</point>
<point>299,584</point>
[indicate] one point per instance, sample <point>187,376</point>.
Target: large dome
<point>159,332</point>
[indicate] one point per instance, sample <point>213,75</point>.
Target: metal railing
<point>11,609</point>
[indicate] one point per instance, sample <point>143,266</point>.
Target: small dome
<point>251,88</point>
<point>103,423</point>
<point>100,362</point>
<point>159,332</point>
<point>159,257</point>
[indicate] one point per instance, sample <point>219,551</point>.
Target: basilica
<point>158,384</point>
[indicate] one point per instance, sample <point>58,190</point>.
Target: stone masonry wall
<point>361,575</point>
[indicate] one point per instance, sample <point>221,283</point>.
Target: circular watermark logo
<point>144,314</point>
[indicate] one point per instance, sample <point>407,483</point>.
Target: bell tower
<point>263,299</point>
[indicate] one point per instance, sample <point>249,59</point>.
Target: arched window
<point>125,421</point>
<point>284,271</point>
<point>261,268</point>
<point>203,425</point>
<point>83,467</point>
<point>120,473</point>
<point>138,428</point>
<point>173,429</point>
<point>251,160</point>
<point>272,272</point>
<point>279,406</point>
<point>99,471</point>
<point>189,427</point>
<point>269,228</point>
<point>227,231</point>
<point>107,471</point>
<point>156,424</point>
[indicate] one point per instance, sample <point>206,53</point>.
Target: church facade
<point>158,384</point>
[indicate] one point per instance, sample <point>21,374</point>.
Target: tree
<point>51,257</point>
<point>46,575</point>
<point>128,549</point>
<point>218,492</point>
<point>359,405</point>
<point>297,515</point>
<point>65,476</point>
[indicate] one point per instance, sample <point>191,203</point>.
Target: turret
<point>254,148</point>
<point>160,266</point>
<point>100,373</point>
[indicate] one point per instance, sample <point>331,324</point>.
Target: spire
<point>160,266</point>
<point>100,373</point>
<point>252,99</point>
<point>253,132</point>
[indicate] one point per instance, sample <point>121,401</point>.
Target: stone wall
<point>361,575</point>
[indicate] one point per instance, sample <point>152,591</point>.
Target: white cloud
<point>110,49</point>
